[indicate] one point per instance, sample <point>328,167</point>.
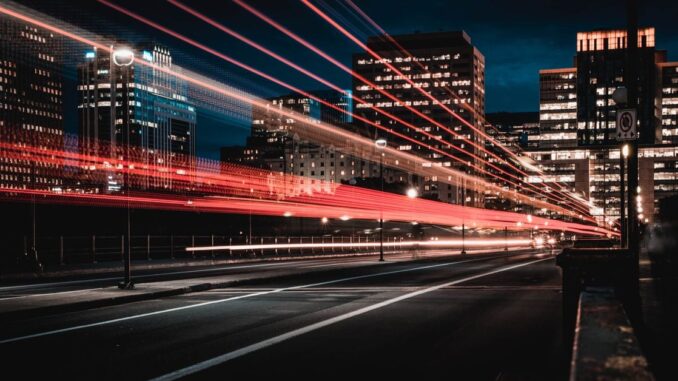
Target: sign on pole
<point>627,124</point>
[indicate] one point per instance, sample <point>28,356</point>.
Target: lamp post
<point>624,154</point>
<point>463,224</point>
<point>123,58</point>
<point>380,143</point>
<point>631,82</point>
<point>32,253</point>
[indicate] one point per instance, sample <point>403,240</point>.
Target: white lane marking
<point>394,256</point>
<point>126,318</point>
<point>66,283</point>
<point>315,326</point>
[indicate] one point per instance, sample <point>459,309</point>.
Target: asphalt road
<point>88,278</point>
<point>485,318</point>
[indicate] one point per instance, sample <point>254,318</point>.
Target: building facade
<point>274,145</point>
<point>669,102</point>
<point>151,102</point>
<point>452,70</point>
<point>576,145</point>
<point>31,102</point>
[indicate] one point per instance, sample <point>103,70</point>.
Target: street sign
<point>626,124</point>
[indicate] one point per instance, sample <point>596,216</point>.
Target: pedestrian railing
<point>62,250</point>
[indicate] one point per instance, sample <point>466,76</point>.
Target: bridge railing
<point>70,250</point>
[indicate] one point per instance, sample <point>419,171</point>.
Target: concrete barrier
<point>605,346</point>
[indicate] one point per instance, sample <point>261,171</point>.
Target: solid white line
<point>309,328</point>
<point>66,283</point>
<point>112,321</point>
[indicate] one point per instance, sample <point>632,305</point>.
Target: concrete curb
<point>605,346</point>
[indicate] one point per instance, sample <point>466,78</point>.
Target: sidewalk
<point>41,304</point>
<point>116,267</point>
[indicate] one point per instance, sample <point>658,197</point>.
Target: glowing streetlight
<point>625,150</point>
<point>324,220</point>
<point>381,143</point>
<point>412,193</point>
<point>124,58</point>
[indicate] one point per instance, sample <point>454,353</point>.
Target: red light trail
<point>504,219</point>
<point>577,203</point>
<point>406,52</point>
<point>337,131</point>
<point>289,63</point>
<point>351,37</point>
<point>237,189</point>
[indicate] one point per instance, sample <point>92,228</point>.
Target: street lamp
<point>622,195</point>
<point>380,143</point>
<point>463,224</point>
<point>412,193</point>
<point>124,58</point>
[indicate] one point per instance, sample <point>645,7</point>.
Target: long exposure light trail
<point>321,80</point>
<point>393,41</point>
<point>432,213</point>
<point>238,189</point>
<point>422,91</point>
<point>296,67</point>
<point>337,88</point>
<point>365,145</point>
<point>447,243</point>
<point>577,203</point>
<point>233,180</point>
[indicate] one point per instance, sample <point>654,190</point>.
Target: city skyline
<point>307,189</point>
<point>512,47</point>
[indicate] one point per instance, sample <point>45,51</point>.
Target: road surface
<point>487,317</point>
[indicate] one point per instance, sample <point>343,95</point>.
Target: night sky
<point>517,38</point>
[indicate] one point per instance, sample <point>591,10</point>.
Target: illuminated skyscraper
<point>439,63</point>
<point>31,101</point>
<point>576,145</point>
<point>576,107</point>
<point>161,118</point>
<point>669,103</point>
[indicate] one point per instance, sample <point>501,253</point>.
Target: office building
<point>669,102</point>
<point>447,66</point>
<point>576,145</point>
<point>274,145</point>
<point>31,102</point>
<point>161,118</point>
